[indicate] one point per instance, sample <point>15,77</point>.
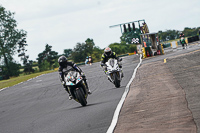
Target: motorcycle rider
<point>106,56</point>
<point>64,63</point>
<point>182,40</point>
<point>181,35</point>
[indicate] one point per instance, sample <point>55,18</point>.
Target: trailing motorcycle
<point>114,72</point>
<point>76,87</point>
<point>183,42</point>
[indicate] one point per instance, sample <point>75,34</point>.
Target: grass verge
<point>16,80</point>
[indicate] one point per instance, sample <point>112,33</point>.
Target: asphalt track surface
<point>164,96</point>
<point>41,105</point>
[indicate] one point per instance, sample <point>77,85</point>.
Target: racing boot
<point>89,92</point>
<point>84,79</point>
<point>109,78</point>
<point>122,74</point>
<point>70,96</point>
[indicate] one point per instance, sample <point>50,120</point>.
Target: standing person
<point>106,56</point>
<point>145,44</point>
<point>90,60</point>
<point>86,60</point>
<point>63,63</point>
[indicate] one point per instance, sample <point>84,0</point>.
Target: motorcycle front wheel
<point>116,80</point>
<point>81,97</point>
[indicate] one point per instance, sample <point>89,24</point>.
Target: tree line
<point>13,41</point>
<point>174,34</point>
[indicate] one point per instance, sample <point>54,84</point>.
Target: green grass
<point>16,80</point>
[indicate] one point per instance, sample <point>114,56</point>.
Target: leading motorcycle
<point>114,72</point>
<point>76,87</point>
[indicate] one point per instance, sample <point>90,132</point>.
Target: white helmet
<point>108,51</point>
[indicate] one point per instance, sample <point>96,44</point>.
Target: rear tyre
<point>81,97</point>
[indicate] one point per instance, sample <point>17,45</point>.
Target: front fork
<point>110,75</point>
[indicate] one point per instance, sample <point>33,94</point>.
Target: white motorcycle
<point>114,72</point>
<point>76,87</point>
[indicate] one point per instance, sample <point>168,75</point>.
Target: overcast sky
<point>64,23</point>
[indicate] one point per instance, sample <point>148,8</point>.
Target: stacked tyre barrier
<point>160,48</point>
<point>166,45</point>
<point>193,39</point>
<point>148,51</point>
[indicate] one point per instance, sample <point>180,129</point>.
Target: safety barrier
<point>166,45</point>
<point>143,53</point>
<point>187,40</point>
<point>123,55</point>
<point>56,69</point>
<point>160,49</point>
<point>193,39</point>
<point>148,51</point>
<point>131,53</point>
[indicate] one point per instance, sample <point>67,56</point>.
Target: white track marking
<point>119,106</point>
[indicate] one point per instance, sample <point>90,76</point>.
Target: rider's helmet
<point>108,51</point>
<point>181,34</point>
<point>62,60</point>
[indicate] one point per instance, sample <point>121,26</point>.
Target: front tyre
<point>116,80</point>
<point>80,96</point>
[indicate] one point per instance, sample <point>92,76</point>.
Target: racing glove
<point>102,64</point>
<point>63,82</point>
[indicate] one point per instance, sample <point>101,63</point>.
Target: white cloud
<point>63,23</point>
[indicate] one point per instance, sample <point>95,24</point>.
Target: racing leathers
<point>71,66</point>
<point>105,58</point>
<point>182,40</point>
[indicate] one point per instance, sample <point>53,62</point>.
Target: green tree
<point>47,58</point>
<point>162,36</point>
<point>9,37</point>
<point>123,48</point>
<point>28,68</point>
<point>128,36</point>
<point>67,52</point>
<point>120,48</point>
<point>82,50</point>
<point>22,53</point>
<point>132,48</point>
<point>15,71</point>
<point>115,47</point>
<point>168,35</point>
<point>89,45</point>
<point>79,53</point>
<point>21,50</point>
<point>174,34</point>
<point>96,54</point>
<point>190,31</point>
